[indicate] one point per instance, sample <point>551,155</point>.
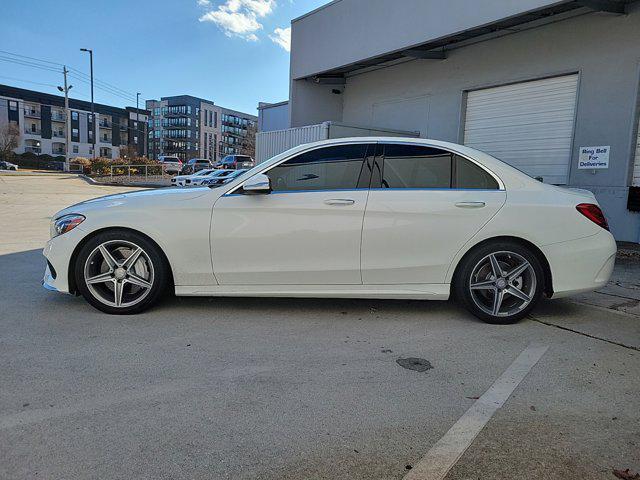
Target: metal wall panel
<point>528,125</point>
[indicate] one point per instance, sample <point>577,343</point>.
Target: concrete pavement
<point>203,388</point>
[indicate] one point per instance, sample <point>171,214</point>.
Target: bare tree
<point>9,140</point>
<point>248,144</point>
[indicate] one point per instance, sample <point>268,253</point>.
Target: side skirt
<point>432,291</point>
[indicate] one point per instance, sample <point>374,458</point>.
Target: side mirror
<point>258,184</point>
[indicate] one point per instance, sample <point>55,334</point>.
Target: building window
<point>74,115</point>
<point>75,149</point>
<point>13,105</point>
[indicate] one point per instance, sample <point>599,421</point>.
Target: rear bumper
<point>581,265</point>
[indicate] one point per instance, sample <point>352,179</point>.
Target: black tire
<point>479,301</point>
<point>153,261</point>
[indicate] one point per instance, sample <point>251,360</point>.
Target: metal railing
<point>146,172</point>
<point>30,131</point>
<point>57,134</point>
<point>58,117</point>
<point>30,112</point>
<point>32,149</point>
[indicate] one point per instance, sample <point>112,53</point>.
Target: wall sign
<point>594,157</point>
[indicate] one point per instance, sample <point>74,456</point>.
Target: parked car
<point>235,161</point>
<point>194,165</point>
<point>226,177</point>
<point>216,174</point>
<point>171,163</point>
<point>8,166</point>
<point>365,217</point>
<point>182,180</point>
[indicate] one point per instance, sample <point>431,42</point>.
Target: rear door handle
<point>470,204</point>
<point>340,201</point>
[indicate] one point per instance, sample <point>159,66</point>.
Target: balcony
<point>58,134</point>
<point>32,112</point>
<point>32,131</point>
<point>123,126</point>
<point>58,151</point>
<point>104,123</point>
<point>30,149</point>
<point>58,117</point>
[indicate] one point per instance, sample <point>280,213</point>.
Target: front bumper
<point>58,252</point>
<point>581,265</point>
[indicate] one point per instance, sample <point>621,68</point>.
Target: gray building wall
<point>429,95</point>
<point>273,116</point>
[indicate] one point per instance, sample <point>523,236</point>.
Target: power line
<point>29,81</point>
<point>101,84</point>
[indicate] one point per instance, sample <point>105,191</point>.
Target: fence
<point>138,173</point>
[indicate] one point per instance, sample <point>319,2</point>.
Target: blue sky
<point>230,51</point>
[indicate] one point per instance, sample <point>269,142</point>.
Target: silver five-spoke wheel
<point>503,284</point>
<point>119,273</point>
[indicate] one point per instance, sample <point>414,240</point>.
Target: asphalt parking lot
<point>203,388</point>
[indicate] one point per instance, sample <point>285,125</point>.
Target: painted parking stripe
<point>447,451</point>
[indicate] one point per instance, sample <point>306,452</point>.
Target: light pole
<point>67,120</point>
<point>138,123</point>
<point>93,116</point>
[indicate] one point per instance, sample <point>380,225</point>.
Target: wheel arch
<point>548,278</point>
<point>73,288</point>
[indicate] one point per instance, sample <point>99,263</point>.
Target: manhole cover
<point>417,364</point>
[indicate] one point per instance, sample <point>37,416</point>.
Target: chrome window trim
<point>501,186</point>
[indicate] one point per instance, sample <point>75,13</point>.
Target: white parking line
<point>447,451</point>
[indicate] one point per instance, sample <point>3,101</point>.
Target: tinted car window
<point>414,166</point>
<point>470,175</point>
<point>328,168</point>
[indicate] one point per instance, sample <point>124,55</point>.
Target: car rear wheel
<point>121,272</point>
<point>500,283</point>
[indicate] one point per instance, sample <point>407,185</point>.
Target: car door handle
<point>340,201</point>
<point>470,204</point>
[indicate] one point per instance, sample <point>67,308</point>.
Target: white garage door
<point>528,125</point>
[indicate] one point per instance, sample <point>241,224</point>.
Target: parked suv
<point>172,164</point>
<point>234,162</point>
<point>194,165</point>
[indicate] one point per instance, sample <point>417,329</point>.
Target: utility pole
<point>93,115</point>
<point>67,118</point>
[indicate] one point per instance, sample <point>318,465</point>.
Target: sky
<point>233,52</point>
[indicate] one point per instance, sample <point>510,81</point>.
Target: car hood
<point>155,197</point>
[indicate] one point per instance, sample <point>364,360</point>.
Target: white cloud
<point>238,17</point>
<point>282,36</point>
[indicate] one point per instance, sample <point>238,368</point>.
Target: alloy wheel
<point>503,284</point>
<point>119,273</point>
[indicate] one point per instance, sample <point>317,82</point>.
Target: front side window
<point>329,168</point>
<point>416,166</point>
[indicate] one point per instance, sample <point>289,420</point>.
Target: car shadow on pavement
<point>21,276</point>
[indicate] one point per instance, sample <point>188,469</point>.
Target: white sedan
<point>359,217</point>
<point>181,180</point>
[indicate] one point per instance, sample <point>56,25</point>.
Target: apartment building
<point>42,121</point>
<point>192,127</point>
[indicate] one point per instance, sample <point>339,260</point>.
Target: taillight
<point>593,213</point>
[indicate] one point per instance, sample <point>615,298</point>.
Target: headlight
<point>65,224</point>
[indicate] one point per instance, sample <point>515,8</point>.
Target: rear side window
<point>415,166</point>
<point>329,168</point>
<point>470,175</point>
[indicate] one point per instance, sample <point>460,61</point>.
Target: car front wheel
<point>500,283</point>
<point>121,272</point>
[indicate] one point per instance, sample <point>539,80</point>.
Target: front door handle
<point>470,204</point>
<point>340,201</point>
